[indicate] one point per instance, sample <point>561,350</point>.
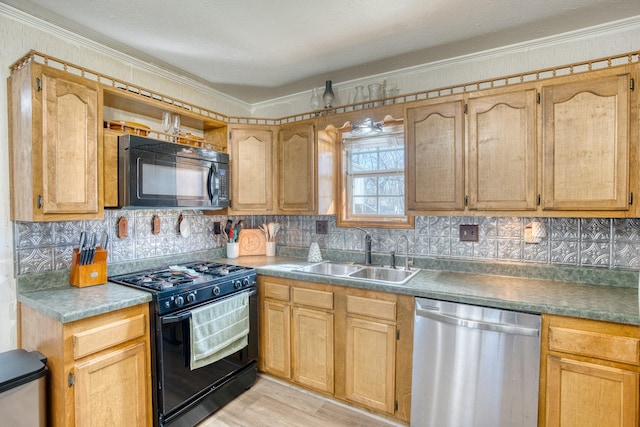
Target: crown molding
<point>632,23</point>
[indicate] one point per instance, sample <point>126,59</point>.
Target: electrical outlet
<point>468,233</point>
<point>216,228</point>
<point>322,227</point>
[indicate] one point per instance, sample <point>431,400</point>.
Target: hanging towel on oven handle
<point>219,329</point>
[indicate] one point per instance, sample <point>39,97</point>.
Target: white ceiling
<point>256,50</point>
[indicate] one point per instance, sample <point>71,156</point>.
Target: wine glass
<point>166,121</point>
<point>176,123</point>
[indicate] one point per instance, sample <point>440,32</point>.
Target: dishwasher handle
<point>434,314</point>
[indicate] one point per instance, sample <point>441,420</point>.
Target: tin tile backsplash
<point>604,243</point>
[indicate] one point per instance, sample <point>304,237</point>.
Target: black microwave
<point>161,174</point>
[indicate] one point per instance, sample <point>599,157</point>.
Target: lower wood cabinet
<point>590,373</point>
<point>352,344</point>
<point>99,367</point>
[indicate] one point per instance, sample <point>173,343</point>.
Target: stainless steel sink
<point>384,274</point>
<point>387,275</point>
<point>330,269</point>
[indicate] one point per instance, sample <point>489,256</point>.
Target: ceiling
<point>258,50</point>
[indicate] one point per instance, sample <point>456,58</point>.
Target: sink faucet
<point>406,251</point>
<point>367,246</point>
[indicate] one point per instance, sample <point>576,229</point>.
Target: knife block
<point>89,274</point>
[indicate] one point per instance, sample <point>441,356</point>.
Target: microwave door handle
<point>214,184</point>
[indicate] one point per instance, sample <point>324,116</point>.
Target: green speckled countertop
<point>587,293</point>
<point>590,301</point>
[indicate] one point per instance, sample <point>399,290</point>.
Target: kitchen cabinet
<point>296,169</point>
<point>590,373</point>
<point>296,335</point>
<point>585,142</point>
<point>499,158</point>
<point>305,169</point>
<point>275,328</point>
<point>110,166</point>
<point>55,156</point>
<point>312,338</point>
<point>434,156</point>
<point>502,150</point>
<point>349,343</point>
<point>554,147</point>
<point>370,349</point>
<point>253,169</point>
<point>99,366</point>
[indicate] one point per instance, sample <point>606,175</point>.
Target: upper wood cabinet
<point>585,142</point>
<point>305,169</point>
<point>55,156</point>
<point>556,147</point>
<point>498,158</point>
<point>434,156</point>
<point>297,169</point>
<point>253,171</point>
<point>502,151</point>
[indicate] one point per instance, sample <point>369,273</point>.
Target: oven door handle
<point>176,319</point>
<point>166,320</point>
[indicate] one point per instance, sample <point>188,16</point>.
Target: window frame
<point>344,217</point>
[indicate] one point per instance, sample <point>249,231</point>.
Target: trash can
<point>23,388</point>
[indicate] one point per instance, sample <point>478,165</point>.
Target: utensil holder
<point>271,248</point>
<point>233,250</point>
<point>88,274</point>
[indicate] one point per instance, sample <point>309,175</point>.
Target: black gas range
<point>182,395</point>
<point>187,285</point>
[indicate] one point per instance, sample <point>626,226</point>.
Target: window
<point>372,177</point>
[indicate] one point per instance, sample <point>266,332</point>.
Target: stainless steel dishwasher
<point>474,366</point>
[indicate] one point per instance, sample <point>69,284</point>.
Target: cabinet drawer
<point>594,344</point>
<point>379,309</point>
<point>100,338</point>
<point>313,298</point>
<point>276,291</point>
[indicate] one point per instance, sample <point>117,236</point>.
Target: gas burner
<point>159,280</point>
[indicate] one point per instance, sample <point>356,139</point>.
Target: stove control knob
<point>191,297</point>
<point>245,282</point>
<point>216,291</point>
<point>179,301</point>
<point>237,284</point>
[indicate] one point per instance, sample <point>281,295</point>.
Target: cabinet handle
<point>38,84</point>
<point>71,379</point>
<point>632,84</point>
<point>39,202</point>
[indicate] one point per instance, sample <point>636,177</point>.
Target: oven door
<point>177,384</point>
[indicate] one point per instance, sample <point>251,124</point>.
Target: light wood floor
<point>271,403</point>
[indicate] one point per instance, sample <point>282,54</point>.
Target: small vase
<point>328,97</point>
<point>316,101</point>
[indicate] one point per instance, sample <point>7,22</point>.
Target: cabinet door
<point>111,389</point>
<point>502,167</point>
<point>252,170</point>
<point>296,169</point>
<point>70,145</point>
<point>586,145</point>
<point>370,363</point>
<point>434,157</point>
<point>276,338</point>
<point>54,136</point>
<point>313,348</point>
<point>583,394</point>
